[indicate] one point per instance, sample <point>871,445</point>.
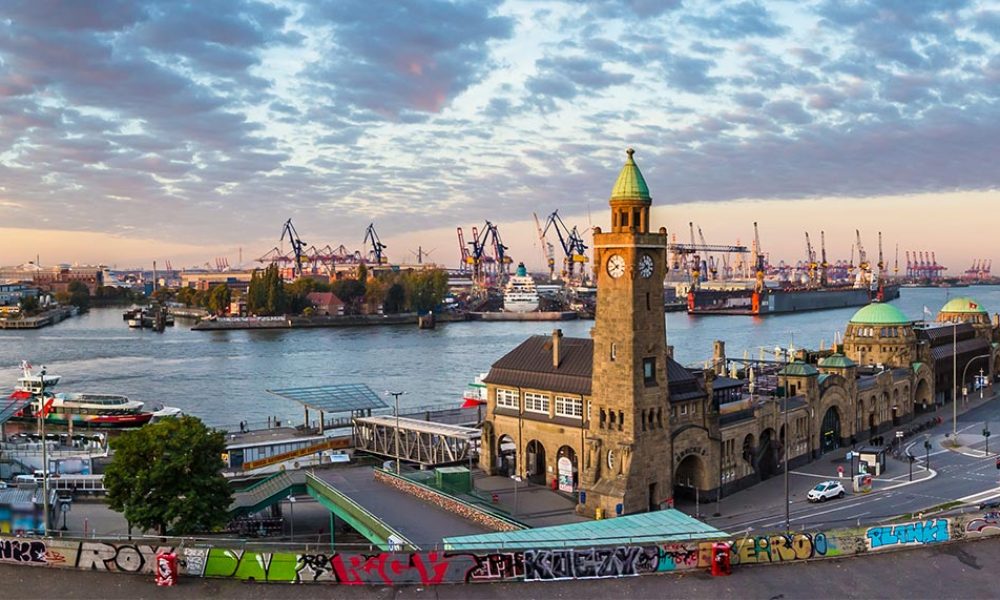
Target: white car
<point>825,491</point>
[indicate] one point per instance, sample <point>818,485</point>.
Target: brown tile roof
<point>943,334</point>
<point>530,366</point>
<point>323,299</point>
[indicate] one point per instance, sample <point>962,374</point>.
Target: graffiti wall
<point>432,568</point>
<point>907,534</point>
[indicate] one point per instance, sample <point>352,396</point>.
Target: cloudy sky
<point>135,130</point>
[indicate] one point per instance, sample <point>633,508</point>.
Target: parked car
<point>825,491</point>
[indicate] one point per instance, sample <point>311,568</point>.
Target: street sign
<point>899,434</point>
<point>849,456</point>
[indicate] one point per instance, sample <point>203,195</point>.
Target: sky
<point>140,130</point>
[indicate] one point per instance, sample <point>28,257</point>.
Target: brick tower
<point>627,462</point>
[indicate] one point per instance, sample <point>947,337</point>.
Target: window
<point>614,350</point>
<point>649,371</point>
<point>569,407</point>
<point>647,302</point>
<point>538,403</point>
<point>684,409</point>
<point>506,399</point>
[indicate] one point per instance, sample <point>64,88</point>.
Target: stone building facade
<point>617,421</point>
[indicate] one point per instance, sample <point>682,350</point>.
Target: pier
<point>50,317</point>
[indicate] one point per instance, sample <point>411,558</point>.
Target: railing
<point>354,511</point>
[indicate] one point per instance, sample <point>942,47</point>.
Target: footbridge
<point>388,518</point>
<point>425,443</point>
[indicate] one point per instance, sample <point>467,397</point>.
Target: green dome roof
<point>630,184</point>
<point>962,305</point>
<point>877,313</point>
<point>799,369</point>
<point>837,361</point>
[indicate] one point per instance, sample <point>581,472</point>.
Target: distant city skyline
<point>130,133</point>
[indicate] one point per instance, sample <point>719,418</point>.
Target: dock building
<point>617,420</point>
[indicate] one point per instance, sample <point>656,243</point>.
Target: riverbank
<point>304,322</point>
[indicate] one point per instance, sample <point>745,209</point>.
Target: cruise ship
<point>520,294</point>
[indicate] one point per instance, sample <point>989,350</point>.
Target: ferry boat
<point>80,409</point>
<point>475,394</point>
<point>520,294</point>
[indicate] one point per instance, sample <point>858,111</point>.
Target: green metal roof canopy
<point>643,528</point>
<point>346,397</point>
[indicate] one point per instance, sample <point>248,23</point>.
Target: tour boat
<point>88,410</point>
<point>520,294</point>
<point>475,394</point>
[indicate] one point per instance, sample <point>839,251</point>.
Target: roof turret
<point>630,186</point>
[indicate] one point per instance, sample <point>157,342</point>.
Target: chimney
<point>669,350</point>
<point>556,338</point>
<point>719,357</point>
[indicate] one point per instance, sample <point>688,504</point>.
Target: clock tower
<point>627,461</point>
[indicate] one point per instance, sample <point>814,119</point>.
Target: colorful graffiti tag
<point>980,525</point>
<point>780,548</point>
<point>907,534</point>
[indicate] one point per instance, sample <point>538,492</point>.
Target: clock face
<point>616,266</point>
<point>611,459</point>
<point>646,266</point>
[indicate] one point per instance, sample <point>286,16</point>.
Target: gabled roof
<point>323,299</point>
<point>836,361</point>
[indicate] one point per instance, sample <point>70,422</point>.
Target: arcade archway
<point>829,431</point>
<point>535,463</point>
<point>767,454</point>
<point>506,456</point>
<point>690,475</point>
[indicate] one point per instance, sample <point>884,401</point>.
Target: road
<point>961,570</point>
<point>967,475</point>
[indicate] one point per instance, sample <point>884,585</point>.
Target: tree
<point>219,298</point>
<point>350,292</point>
<point>79,294</point>
<point>395,299</point>
<point>29,305</point>
<point>167,477</point>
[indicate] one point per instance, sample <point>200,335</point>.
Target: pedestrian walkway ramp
<point>13,405</point>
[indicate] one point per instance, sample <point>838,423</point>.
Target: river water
<point>223,376</point>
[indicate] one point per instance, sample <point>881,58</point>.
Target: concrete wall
<point>430,568</point>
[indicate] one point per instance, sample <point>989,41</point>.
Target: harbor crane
<point>296,243</point>
<point>824,266</point>
<point>465,258</point>
<point>376,254</point>
<point>689,255</point>
<point>548,250</point>
<point>574,250</point>
<point>483,264</point>
<point>811,263</point>
<point>760,262</point>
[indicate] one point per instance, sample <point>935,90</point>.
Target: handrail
<point>355,510</point>
<point>327,444</point>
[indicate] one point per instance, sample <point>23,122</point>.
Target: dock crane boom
<point>574,250</point>
<point>297,244</point>
<point>376,253</point>
<point>823,264</point>
<point>548,251</point>
<point>759,260</point>
<point>811,260</point>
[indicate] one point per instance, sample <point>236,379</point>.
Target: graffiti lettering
<point>129,558</point>
<point>387,568</point>
<point>492,567</point>
<point>906,534</point>
<point>19,551</point>
<point>779,548</point>
<point>193,561</point>
<point>315,567</point>
<point>990,520</point>
<point>581,564</point>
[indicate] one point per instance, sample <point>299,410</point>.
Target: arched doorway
<point>922,395</point>
<point>895,408</point>
<point>506,456</point>
<point>566,469</point>
<point>535,463</point>
<point>749,452</point>
<point>767,454</point>
<point>829,430</point>
<point>690,476</point>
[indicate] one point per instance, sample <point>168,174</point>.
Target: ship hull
<point>778,301</point>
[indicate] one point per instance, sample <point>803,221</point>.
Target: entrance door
<point>830,430</point>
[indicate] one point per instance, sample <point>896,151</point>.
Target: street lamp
<point>954,408</point>
<point>45,455</point>
<point>291,516</point>
<point>784,451</point>
<point>395,396</point>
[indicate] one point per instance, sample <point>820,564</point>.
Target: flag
<point>973,305</point>
<point>928,312</point>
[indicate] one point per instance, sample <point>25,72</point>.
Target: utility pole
<point>784,451</point>
<point>396,396</point>
<point>45,455</point>
<point>954,383</point>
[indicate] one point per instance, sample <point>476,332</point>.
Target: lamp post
<point>986,435</point>
<point>784,451</point>
<point>982,383</point>
<point>45,454</point>
<point>954,382</point>
<point>395,396</point>
<point>954,409</point>
<point>291,517</point>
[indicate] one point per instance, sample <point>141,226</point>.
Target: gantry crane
<point>811,260</point>
<point>296,242</point>
<point>574,250</point>
<point>824,266</point>
<point>548,250</point>
<point>376,254</point>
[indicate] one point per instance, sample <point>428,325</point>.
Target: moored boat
<point>80,409</point>
<point>520,293</point>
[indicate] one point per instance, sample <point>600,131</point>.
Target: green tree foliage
<point>79,294</point>
<point>219,298</point>
<point>29,305</point>
<point>395,299</point>
<point>186,296</point>
<point>425,289</point>
<point>350,291</point>
<point>266,294</point>
<point>167,477</point>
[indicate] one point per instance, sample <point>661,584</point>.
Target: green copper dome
<point>799,369</point>
<point>962,305</point>
<point>837,361</point>
<point>630,184</point>
<point>877,313</point>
